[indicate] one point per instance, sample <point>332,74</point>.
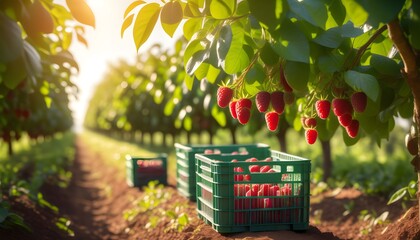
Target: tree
<point>36,67</point>
<point>360,56</point>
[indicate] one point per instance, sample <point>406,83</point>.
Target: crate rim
<point>131,157</point>
<point>207,157</point>
<point>189,147</point>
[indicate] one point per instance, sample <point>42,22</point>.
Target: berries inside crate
<point>237,194</point>
<point>141,170</point>
<point>185,161</point>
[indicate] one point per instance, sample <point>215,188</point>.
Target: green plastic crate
<point>232,199</point>
<point>185,162</point>
<point>141,170</point>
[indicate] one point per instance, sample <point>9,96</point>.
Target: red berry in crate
<point>265,189</point>
<point>311,135</point>
<point>310,122</point>
<point>277,101</point>
<point>274,189</point>
<point>345,119</point>
<point>254,168</point>
<point>224,95</point>
<point>289,98</point>
<point>268,203</point>
<point>353,128</point>
<point>341,106</point>
<point>232,109</point>
<point>262,101</point>
<point>359,101</point>
<point>244,114</point>
<point>243,103</point>
<point>323,108</point>
<point>265,168</point>
<point>272,120</point>
<point>247,177</point>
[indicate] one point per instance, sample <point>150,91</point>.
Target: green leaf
<point>255,74</point>
<point>145,22</point>
<point>399,194</point>
<point>382,11</point>
<point>192,48</point>
<point>236,59</point>
<point>11,43</point>
<point>385,65</point>
<point>292,43</point>
<point>187,123</point>
<point>330,38</point>
<point>191,26</point>
<point>268,55</point>
<point>297,75</point>
<point>183,219</point>
<point>414,24</point>
<point>81,12</point>
<point>363,82</point>
<point>355,12</point>
<point>15,73</point>
<point>189,82</point>
<point>132,6</point>
<point>331,63</point>
<point>170,28</point>
<point>223,42</point>
<point>349,31</point>
<point>222,9</point>
<point>348,140</point>
<point>312,11</point>
<point>32,60</point>
<point>192,10</point>
<point>268,13</point>
<point>195,61</point>
<point>218,115</point>
<point>171,13</point>
<point>336,14</point>
<point>212,74</point>
<point>201,71</point>
<point>382,48</point>
<point>127,22</point>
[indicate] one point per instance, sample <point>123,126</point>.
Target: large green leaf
<point>212,74</point>
<point>218,115</point>
<point>171,16</point>
<point>297,75</point>
<point>32,60</point>
<point>191,26</point>
<point>414,24</point>
<point>312,11</point>
<point>330,38</point>
<point>195,61</point>
<point>132,6</point>
<point>385,65</point>
<point>363,82</point>
<point>222,9</point>
<point>192,47</point>
<point>292,43</point>
<point>382,11</point>
<point>382,48</point>
<point>355,12</point>
<point>268,55</point>
<point>267,13</point>
<point>11,43</point>
<point>236,59</point>
<point>223,42</point>
<point>331,63</point>
<point>336,14</point>
<point>15,72</point>
<point>145,22</point>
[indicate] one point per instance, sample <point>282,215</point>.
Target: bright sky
<point>106,46</point>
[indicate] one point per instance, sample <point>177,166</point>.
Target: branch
<point>363,48</point>
<point>407,55</point>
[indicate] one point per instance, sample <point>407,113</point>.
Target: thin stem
<point>363,48</point>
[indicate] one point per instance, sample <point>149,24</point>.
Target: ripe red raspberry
<point>359,101</point>
<point>323,108</point>
<point>341,106</point>
<point>283,81</point>
<point>353,128</point>
<point>244,114</point>
<point>311,135</point>
<point>224,95</point>
<point>289,98</point>
<point>345,119</point>
<point>243,103</point>
<point>272,120</point>
<point>262,100</point>
<point>232,108</point>
<point>277,101</point>
<point>310,122</point>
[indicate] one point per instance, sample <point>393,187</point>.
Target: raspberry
<point>272,120</point>
<point>243,103</point>
<point>341,106</point>
<point>310,122</point>
<point>323,108</point>
<point>289,98</point>
<point>244,114</point>
<point>284,82</point>
<point>311,135</point>
<point>262,100</point>
<point>359,101</point>
<point>353,128</point>
<point>277,101</point>
<point>232,108</point>
<point>345,119</point>
<point>224,95</point>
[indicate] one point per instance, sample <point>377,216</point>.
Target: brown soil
<point>97,197</point>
